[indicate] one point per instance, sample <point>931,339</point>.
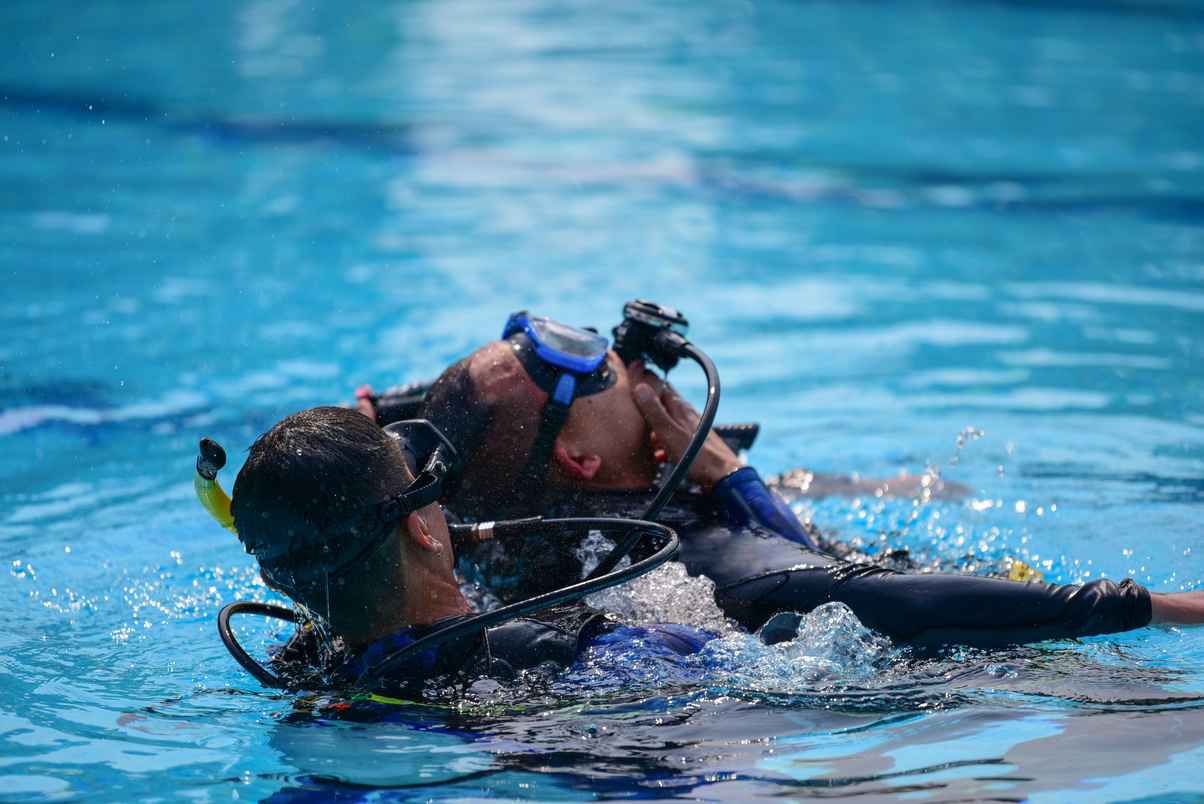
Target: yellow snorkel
<point>208,491</point>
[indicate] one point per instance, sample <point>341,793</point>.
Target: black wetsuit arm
<point>930,610</point>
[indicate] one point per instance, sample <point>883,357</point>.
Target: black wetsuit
<point>762,567</point>
<point>546,644</point>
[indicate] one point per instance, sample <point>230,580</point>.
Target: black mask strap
<point>426,489</point>
<point>440,475</point>
<point>555,413</point>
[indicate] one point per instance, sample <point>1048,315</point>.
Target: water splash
<point>965,437</point>
<point>668,594</point>
<point>831,649</point>
<point>917,535</point>
<point>592,549</point>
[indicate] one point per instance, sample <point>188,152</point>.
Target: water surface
<point>887,223</point>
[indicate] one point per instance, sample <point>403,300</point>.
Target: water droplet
<point>965,437</point>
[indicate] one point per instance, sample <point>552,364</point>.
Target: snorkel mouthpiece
<point>212,458</point>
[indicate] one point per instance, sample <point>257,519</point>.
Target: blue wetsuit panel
<point>744,498</point>
<point>658,638</point>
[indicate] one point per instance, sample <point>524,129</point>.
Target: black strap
<point>531,481</point>
<point>426,489</point>
<point>555,414</point>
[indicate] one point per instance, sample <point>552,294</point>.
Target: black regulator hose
<point>477,622</point>
<point>700,432</point>
<point>241,656</point>
<point>594,583</point>
<point>675,477</point>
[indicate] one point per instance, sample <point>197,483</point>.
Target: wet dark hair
<point>493,437</point>
<point>309,490</point>
<point>454,405</point>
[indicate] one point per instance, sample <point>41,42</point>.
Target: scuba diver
<point>548,421</point>
<point>343,518</point>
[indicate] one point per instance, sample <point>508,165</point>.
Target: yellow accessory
<point>208,490</point>
<point>1019,571</point>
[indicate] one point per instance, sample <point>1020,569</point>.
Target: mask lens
<point>565,346</point>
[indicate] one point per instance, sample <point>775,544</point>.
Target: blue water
<point>887,222</point>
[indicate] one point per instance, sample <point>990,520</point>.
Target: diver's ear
<point>579,467</point>
<point>420,533</point>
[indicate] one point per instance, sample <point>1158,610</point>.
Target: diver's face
<point>608,424</point>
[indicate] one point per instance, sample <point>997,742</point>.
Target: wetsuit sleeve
<point>744,499</point>
<point>931,610</point>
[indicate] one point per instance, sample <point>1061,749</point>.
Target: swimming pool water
<point>887,223</point>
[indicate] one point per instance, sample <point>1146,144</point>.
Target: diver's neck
<point>428,598</point>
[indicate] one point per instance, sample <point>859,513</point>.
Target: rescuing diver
<point>530,447</point>
<point>329,505</point>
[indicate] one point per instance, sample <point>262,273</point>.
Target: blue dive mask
<point>564,361</point>
<point>568,347</point>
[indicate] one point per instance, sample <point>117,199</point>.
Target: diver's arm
<point>931,610</point>
<point>363,401</point>
<point>1177,608</point>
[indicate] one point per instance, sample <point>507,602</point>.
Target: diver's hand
<point>1177,608</point>
<point>673,421</point>
<point>363,401</point>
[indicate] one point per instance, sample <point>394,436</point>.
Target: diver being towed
<point>548,421</point>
